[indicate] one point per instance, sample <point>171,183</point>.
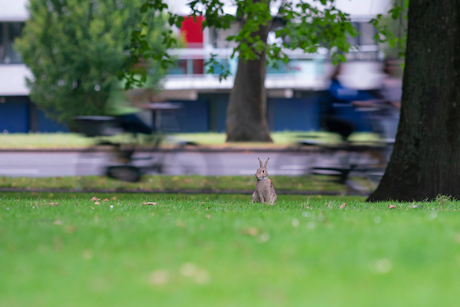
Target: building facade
<point>294,91</point>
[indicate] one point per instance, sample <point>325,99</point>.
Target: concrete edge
<point>183,191</point>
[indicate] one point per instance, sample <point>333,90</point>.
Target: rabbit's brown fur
<point>265,191</point>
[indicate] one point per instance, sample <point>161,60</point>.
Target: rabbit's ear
<point>260,162</point>
<point>266,163</point>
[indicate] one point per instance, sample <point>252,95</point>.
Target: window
<point>366,37</point>
<point>218,37</point>
<point>367,34</point>
<point>9,31</point>
<point>354,41</point>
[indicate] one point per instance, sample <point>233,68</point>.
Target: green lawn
<point>222,250</point>
<point>74,140</point>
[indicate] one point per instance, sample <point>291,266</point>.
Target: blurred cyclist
<point>127,106</point>
<point>340,96</point>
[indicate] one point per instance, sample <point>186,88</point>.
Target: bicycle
<point>356,159</point>
<point>123,155</point>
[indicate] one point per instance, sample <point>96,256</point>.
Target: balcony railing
<point>192,62</point>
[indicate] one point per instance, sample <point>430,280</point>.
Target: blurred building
<point>294,90</point>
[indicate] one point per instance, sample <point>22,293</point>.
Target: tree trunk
<point>426,157</point>
<point>246,112</point>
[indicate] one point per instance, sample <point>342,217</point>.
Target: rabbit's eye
<point>263,171</point>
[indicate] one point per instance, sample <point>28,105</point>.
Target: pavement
<point>41,163</point>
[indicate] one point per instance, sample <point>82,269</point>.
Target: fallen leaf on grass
<point>105,199</point>
<point>252,231</point>
<point>87,254</point>
<point>383,265</point>
<point>202,277</point>
<point>53,204</point>
<point>208,216</point>
<point>180,224</point>
<point>92,208</point>
<point>263,237</point>
<point>57,222</point>
<point>159,277</point>
<point>95,198</point>
<point>309,207</point>
<point>188,269</point>
<point>71,229</point>
<point>200,203</point>
<point>97,203</point>
<point>391,207</point>
<point>150,203</point>
<point>295,223</point>
<point>343,205</point>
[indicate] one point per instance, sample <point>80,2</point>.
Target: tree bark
<point>246,112</point>
<point>426,157</point>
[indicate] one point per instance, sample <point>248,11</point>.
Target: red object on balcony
<point>192,31</point>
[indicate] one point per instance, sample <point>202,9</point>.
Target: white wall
<point>357,8</point>
<point>12,76</point>
<point>13,10</point>
<point>363,8</point>
<point>13,80</point>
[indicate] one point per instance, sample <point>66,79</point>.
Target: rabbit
<point>265,192</point>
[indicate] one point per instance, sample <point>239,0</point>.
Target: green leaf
<point>145,7</point>
<point>179,21</point>
<point>395,12</point>
<point>120,74</point>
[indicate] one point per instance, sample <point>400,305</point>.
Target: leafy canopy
<point>75,48</point>
<point>392,27</point>
<point>302,25</point>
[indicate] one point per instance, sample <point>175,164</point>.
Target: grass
<point>75,141</point>
<point>42,140</point>
<point>209,250</point>
<point>279,138</point>
<point>300,183</point>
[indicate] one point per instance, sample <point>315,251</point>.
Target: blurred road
<point>50,164</point>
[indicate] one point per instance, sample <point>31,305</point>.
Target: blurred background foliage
<point>75,48</point>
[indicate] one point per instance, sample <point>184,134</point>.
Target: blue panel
<point>46,124</point>
<point>296,114</point>
<point>14,116</point>
<point>194,117</point>
<point>358,119</point>
<point>221,106</point>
